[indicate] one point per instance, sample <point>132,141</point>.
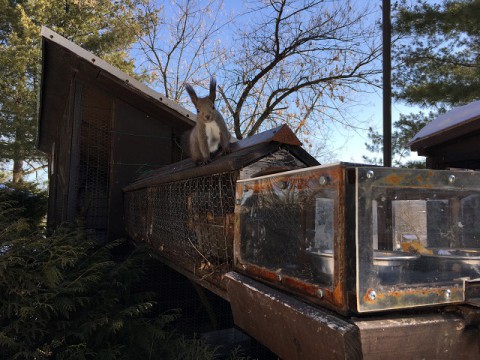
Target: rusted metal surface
<point>430,279</point>
<point>411,297</point>
<point>472,292</point>
<point>420,336</point>
<point>290,328</point>
<point>186,212</point>
<point>299,281</point>
<point>288,223</point>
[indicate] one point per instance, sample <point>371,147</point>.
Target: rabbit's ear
<point>213,89</point>
<point>192,93</point>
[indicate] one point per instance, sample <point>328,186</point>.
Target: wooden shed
<point>186,212</point>
<point>452,139</point>
<point>101,129</point>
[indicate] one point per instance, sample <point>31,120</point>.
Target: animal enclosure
<point>91,117</point>
<point>363,239</point>
<point>186,213</point>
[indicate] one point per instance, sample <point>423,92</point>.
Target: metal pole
<point>387,84</point>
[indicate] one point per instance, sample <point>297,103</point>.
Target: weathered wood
<point>451,125</point>
<point>278,161</point>
<point>63,60</point>
<point>288,327</point>
<point>421,336</point>
<point>216,287</point>
<point>236,160</point>
<point>100,128</point>
<point>451,140</point>
<point>282,134</point>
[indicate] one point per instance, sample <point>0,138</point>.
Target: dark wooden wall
<point>102,144</point>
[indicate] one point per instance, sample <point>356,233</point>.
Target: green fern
<point>64,297</point>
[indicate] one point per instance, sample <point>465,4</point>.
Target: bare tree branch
<point>298,62</point>
<point>299,47</point>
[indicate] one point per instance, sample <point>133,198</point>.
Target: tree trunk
<point>17,171</point>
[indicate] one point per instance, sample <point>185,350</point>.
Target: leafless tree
<point>181,43</point>
<point>285,61</point>
<point>297,61</point>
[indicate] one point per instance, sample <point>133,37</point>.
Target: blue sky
<point>366,109</point>
<point>349,144</point>
<point>369,111</point>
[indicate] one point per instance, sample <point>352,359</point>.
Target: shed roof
<point>244,152</point>
<point>63,61</point>
<point>453,124</point>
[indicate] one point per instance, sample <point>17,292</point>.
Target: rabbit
<point>210,132</point>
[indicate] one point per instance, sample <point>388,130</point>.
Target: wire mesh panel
<point>285,220</point>
<point>136,222</point>
<point>188,221</point>
<point>94,164</point>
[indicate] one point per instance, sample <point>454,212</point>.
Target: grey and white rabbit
<point>210,132</point>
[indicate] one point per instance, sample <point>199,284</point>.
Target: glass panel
<point>421,239</point>
<point>287,224</point>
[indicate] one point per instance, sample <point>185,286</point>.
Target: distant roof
<point>64,61</point>
<point>453,124</point>
<point>244,152</point>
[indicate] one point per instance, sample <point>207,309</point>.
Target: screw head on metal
<point>451,179</point>
<point>283,185</point>
<point>320,293</point>
<point>448,294</point>
<point>370,174</point>
<point>323,180</point>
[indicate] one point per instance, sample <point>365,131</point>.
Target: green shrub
<point>64,297</point>
<point>22,203</point>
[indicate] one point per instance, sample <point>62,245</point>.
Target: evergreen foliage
<point>105,27</point>
<point>437,65</point>
<point>64,297</point>
<point>405,129</point>
<point>28,205</point>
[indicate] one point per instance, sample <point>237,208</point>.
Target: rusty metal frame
<point>336,296</point>
<point>353,184</point>
<point>426,180</point>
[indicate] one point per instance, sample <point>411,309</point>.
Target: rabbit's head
<point>205,106</point>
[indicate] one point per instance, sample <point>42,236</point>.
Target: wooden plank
<point>289,327</point>
<point>282,134</point>
<point>187,169</point>
<point>421,336</point>
<point>244,152</point>
<point>453,124</point>
<point>218,288</point>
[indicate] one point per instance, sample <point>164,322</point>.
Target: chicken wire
<point>94,163</point>
<point>188,221</point>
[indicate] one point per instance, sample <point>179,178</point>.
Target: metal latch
<point>471,289</point>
